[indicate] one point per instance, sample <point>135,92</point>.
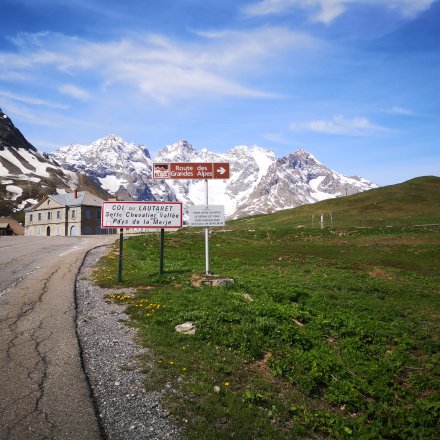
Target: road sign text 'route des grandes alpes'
<point>141,215</point>
<point>191,170</point>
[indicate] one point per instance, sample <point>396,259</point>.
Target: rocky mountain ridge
<point>259,182</point>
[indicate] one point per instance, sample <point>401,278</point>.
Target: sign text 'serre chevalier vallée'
<point>191,170</point>
<point>141,215</point>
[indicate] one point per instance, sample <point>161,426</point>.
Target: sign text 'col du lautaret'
<point>141,215</point>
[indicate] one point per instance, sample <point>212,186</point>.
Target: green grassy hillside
<point>331,334</point>
<point>416,201</point>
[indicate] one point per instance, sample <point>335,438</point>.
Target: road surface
<point>44,393</point>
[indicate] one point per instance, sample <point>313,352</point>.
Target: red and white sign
<point>160,215</point>
<point>190,170</point>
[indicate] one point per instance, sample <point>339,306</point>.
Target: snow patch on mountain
<point>259,182</point>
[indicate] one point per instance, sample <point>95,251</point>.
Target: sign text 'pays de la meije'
<point>202,215</point>
<point>141,215</point>
<point>191,170</point>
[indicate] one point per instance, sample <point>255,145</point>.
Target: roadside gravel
<point>111,358</point>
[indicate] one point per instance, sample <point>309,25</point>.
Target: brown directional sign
<point>191,170</point>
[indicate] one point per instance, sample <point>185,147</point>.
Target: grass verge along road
<point>331,333</point>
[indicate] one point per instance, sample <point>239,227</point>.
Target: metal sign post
<point>197,171</point>
<point>162,247</point>
<point>121,246</point>
<point>206,233</point>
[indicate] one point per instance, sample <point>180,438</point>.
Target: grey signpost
<point>121,245</point>
<point>206,216</point>
<point>194,170</point>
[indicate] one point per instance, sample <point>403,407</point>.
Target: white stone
<point>187,328</point>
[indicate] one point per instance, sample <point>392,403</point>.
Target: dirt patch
<point>196,279</point>
<point>262,368</point>
<point>382,274</point>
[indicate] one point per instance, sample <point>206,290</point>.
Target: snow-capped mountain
<point>247,167</point>
<point>121,168</point>
<point>259,182</point>
<point>298,179</point>
<point>25,173</point>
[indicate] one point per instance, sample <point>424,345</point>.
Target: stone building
<point>76,213</point>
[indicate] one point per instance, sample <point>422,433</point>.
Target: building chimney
<point>75,193</point>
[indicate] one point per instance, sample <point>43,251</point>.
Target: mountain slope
<point>298,179</point>
<point>414,202</point>
<point>25,173</point>
<point>11,137</point>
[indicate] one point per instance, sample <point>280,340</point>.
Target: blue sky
<point>355,82</point>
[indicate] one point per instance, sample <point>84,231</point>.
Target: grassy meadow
<point>329,333</point>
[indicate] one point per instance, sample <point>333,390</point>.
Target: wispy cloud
<point>75,92</point>
<point>31,100</point>
<point>326,11</point>
<point>341,126</point>
<point>46,117</point>
<point>396,110</point>
<point>158,67</point>
<point>277,138</point>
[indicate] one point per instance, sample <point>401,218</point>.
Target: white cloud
<point>399,111</point>
<point>46,117</point>
<point>339,125</point>
<point>31,100</point>
<point>325,11</point>
<point>75,92</point>
<point>158,67</point>
<point>278,138</point>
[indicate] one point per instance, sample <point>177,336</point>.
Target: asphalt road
<point>44,393</point>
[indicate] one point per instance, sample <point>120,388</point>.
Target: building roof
<point>83,198</point>
<point>13,224</point>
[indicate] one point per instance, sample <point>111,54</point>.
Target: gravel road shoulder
<point>111,358</point>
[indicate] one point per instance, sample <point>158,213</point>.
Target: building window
<point>88,213</point>
<point>39,231</point>
<point>73,213</point>
<point>31,217</point>
<point>49,215</point>
<point>58,230</point>
<point>58,215</point>
<point>39,216</point>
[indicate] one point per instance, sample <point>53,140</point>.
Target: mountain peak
<point>300,159</point>
<point>10,136</point>
<point>181,151</point>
